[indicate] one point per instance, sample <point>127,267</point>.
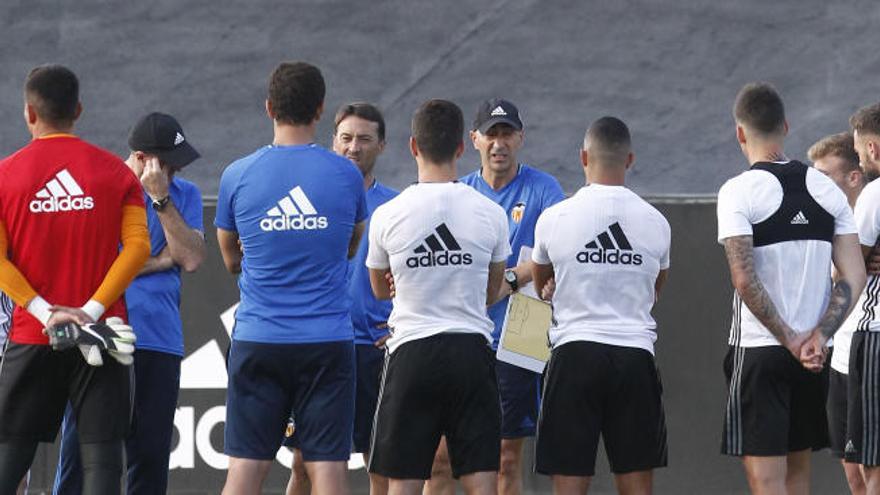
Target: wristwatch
<point>510,278</point>
<point>160,204</point>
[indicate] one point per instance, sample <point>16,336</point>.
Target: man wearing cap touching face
<point>523,192</point>
<point>159,149</point>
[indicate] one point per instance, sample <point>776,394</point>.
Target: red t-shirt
<point>61,200</point>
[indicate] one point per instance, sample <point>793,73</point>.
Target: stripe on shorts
<point>733,415</point>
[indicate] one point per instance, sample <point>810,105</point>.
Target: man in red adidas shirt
<point>65,208</point>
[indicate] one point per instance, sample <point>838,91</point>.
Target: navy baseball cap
<point>161,135</point>
<point>497,111</point>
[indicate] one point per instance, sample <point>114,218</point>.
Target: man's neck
<point>437,172</point>
<point>293,135</point>
<point>607,176</point>
<point>369,180</point>
<point>765,152</point>
<point>42,129</point>
<point>497,180</point>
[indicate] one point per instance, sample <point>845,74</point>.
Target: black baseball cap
<point>497,111</point>
<point>161,135</point>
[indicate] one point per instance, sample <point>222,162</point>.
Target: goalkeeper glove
<point>112,335</point>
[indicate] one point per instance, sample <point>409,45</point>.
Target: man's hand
<point>549,289</point>
<point>794,342</point>
<point>380,344</point>
<point>390,279</point>
<point>814,352</point>
<point>113,335</point>
<point>154,179</point>
<point>67,314</point>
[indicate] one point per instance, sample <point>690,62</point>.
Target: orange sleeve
<point>135,251</point>
<point>12,281</point>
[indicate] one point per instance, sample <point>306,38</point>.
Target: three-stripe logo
<point>293,212</point>
<point>440,248</point>
<point>61,193</point>
<point>610,247</point>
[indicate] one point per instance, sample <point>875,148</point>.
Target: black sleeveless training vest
<point>799,217</point>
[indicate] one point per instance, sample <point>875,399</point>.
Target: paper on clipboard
<point>523,340</point>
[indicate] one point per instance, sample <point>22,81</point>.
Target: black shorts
<point>774,405</point>
<point>520,391</point>
<point>863,428</point>
<point>836,410</point>
<point>36,383</point>
<point>369,360</point>
<point>439,385</point>
<point>592,389</point>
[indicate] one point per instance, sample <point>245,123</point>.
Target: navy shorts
<point>520,391</point>
<point>369,373</point>
<point>269,381</point>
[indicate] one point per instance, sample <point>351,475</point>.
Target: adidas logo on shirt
<point>800,219</point>
<point>61,193</point>
<point>294,212</point>
<point>610,247</point>
<point>439,249</point>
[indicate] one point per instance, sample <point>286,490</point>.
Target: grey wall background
<point>668,68</point>
<point>693,318</point>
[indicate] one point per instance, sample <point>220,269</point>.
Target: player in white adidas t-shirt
<point>608,251</point>
<point>446,246</point>
<point>863,426</point>
<point>836,157</point>
<point>781,223</point>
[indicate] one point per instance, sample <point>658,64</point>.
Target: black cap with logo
<point>497,111</point>
<point>160,134</point>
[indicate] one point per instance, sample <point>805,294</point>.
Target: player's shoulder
<point>538,178</point>
<point>237,168</point>
<point>870,194</point>
<point>478,199</point>
<point>186,187</point>
<point>471,178</point>
<point>747,179</point>
<point>384,191</point>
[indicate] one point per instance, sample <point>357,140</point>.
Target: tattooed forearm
<point>838,306</point>
<point>740,257</point>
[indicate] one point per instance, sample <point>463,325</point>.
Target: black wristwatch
<point>510,278</point>
<point>160,204</point>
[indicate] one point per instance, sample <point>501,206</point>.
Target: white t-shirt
<point>794,273</point>
<point>607,246</point>
<point>867,214</point>
<point>438,239</point>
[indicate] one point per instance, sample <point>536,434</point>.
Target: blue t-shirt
<point>366,310</point>
<point>153,300</point>
<point>523,199</point>
<point>294,209</point>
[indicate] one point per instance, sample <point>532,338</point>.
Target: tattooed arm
<point>740,257</point>
<point>849,264</point>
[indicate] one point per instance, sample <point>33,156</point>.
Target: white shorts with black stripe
<point>863,427</point>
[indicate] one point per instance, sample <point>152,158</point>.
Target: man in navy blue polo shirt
<point>297,210</point>
<point>524,192</point>
<point>159,150</point>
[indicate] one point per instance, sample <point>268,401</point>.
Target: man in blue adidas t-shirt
<point>297,211</point>
<point>159,150</point>
<point>524,192</point>
<point>359,135</point>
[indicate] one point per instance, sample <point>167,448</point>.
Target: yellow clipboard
<point>524,335</point>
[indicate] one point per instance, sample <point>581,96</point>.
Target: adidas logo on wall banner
<point>800,219</point>
<point>610,247</point>
<point>61,193</point>
<point>432,251</point>
<point>294,212</point>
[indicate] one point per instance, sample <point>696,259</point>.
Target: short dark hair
<point>296,92</point>
<point>438,128</point>
<point>362,110</point>
<point>866,120</point>
<point>839,145</point>
<point>609,141</point>
<point>53,92</point>
<point>759,107</point>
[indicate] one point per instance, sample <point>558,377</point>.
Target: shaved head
<point>608,142</point>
